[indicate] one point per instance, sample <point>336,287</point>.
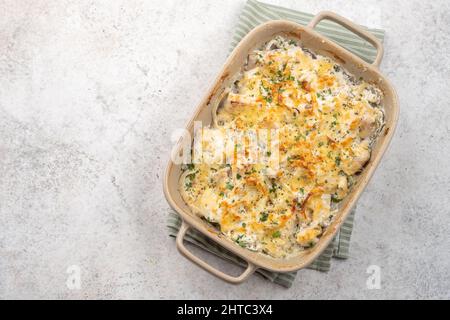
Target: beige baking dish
<point>319,44</point>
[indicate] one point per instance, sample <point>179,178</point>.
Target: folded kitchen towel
<point>253,14</point>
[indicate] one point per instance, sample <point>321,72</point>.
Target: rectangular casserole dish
<point>319,44</point>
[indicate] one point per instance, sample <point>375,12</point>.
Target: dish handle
<point>328,15</point>
<point>184,251</point>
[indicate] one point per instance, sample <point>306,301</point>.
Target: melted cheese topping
<point>326,122</point>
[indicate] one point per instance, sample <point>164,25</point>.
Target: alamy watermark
<point>374,279</point>
<point>214,146</point>
<point>73,281</point>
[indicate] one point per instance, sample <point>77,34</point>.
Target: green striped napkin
<point>253,14</point>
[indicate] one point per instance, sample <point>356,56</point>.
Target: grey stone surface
<point>90,93</point>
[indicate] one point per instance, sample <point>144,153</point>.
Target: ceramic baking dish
<point>312,40</point>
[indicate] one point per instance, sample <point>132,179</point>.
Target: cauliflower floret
<point>209,205</point>
<point>369,122</point>
<point>319,206</point>
<point>361,156</point>
<point>309,236</point>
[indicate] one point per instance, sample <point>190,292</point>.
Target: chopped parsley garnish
<point>292,158</point>
<point>238,176</point>
<point>337,160</point>
<point>190,166</point>
<point>240,242</point>
<point>335,199</point>
<point>229,186</point>
<point>266,93</point>
<point>276,234</point>
<point>268,99</point>
<point>191,176</point>
<point>263,216</point>
<point>273,188</point>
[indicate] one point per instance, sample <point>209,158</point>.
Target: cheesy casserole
<point>314,125</point>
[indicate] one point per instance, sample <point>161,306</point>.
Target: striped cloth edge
<point>253,14</point>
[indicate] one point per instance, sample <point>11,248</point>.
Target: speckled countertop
<point>90,93</point>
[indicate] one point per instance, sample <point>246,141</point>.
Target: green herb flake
<point>268,99</point>
<point>273,188</point>
<point>335,200</point>
<point>263,216</point>
<point>191,176</point>
<point>276,234</point>
<point>337,160</point>
<point>239,242</point>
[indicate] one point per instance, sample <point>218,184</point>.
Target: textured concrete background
<point>90,92</point>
